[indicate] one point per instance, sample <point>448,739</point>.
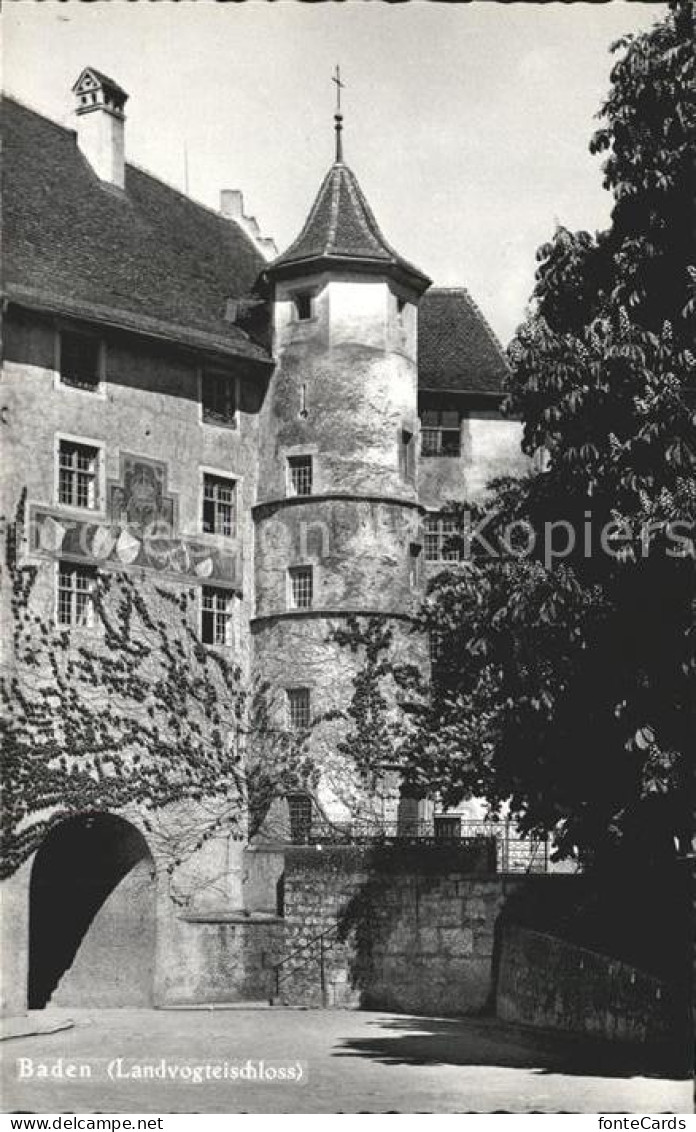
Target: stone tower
<point>337,522</point>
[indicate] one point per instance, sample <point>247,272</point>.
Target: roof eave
<point>398,270</point>
<point>150,328</point>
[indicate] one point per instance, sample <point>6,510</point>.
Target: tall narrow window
<point>299,713</point>
<point>442,539</point>
<point>74,605</point>
<point>80,360</point>
<point>78,475</point>
<point>414,564</point>
<point>407,463</point>
<point>440,432</point>
<point>303,306</point>
<point>218,505</point>
<point>217,610</point>
<point>219,398</point>
<point>301,587</point>
<point>300,811</point>
<point>301,475</point>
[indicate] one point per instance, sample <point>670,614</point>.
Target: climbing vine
<point>131,713</point>
<point>375,727</point>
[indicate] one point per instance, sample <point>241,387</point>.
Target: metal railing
<point>318,943</point>
<point>514,852</point>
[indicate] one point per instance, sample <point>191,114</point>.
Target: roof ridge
<point>335,194</point>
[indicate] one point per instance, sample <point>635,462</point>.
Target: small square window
<point>299,714</point>
<point>448,828</point>
<point>219,398</point>
<point>74,605</point>
<point>301,587</point>
<point>217,612</point>
<point>80,360</point>
<point>442,539</point>
<point>441,432</point>
<point>300,474</point>
<point>303,306</point>
<point>219,505</point>
<point>78,475</point>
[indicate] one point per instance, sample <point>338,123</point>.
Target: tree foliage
<point>565,680</point>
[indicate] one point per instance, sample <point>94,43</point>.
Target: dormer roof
<point>101,79</point>
<point>341,233</point>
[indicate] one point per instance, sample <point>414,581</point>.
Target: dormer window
<point>219,398</point>
<point>303,306</point>
<point>80,362</point>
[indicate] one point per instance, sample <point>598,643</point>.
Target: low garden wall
<point>546,982</point>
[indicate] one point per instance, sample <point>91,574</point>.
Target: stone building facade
<point>296,422</point>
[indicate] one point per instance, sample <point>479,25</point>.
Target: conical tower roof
<point>341,233</point>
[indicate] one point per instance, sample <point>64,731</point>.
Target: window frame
<point>99,477</point>
<point>440,449</point>
<point>216,474</point>
<point>440,518</point>
<point>234,382</point>
<point>64,565</point>
<point>229,614</point>
<point>293,462</point>
<point>294,573</point>
<point>298,297</point>
<point>296,690</point>
<point>300,814</point>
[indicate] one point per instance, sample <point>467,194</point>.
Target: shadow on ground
<point>488,1042</point>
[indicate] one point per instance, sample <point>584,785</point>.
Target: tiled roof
<point>341,229</point>
<point>145,258</point>
<point>457,350</point>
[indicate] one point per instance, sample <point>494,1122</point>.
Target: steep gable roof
<point>341,230</point>
<point>457,350</point>
<point>147,258</point>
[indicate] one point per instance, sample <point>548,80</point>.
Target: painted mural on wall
<point>140,532</point>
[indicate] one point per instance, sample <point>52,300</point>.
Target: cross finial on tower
<point>338,117</point>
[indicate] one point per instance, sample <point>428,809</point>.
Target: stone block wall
<point>546,982</point>
<point>220,958</point>
<point>406,928</point>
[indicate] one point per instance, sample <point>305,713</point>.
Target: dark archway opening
<point>79,864</point>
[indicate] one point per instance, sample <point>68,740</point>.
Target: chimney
<point>101,125</point>
<point>232,204</point>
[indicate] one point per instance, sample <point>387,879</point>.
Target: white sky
<point>466,124</point>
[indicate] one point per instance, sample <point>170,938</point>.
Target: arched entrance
<point>91,915</point>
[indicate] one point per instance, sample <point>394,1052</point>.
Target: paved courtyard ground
<point>351,1062</point>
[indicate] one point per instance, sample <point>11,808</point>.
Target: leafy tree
<point>565,677</point>
<point>133,715</point>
